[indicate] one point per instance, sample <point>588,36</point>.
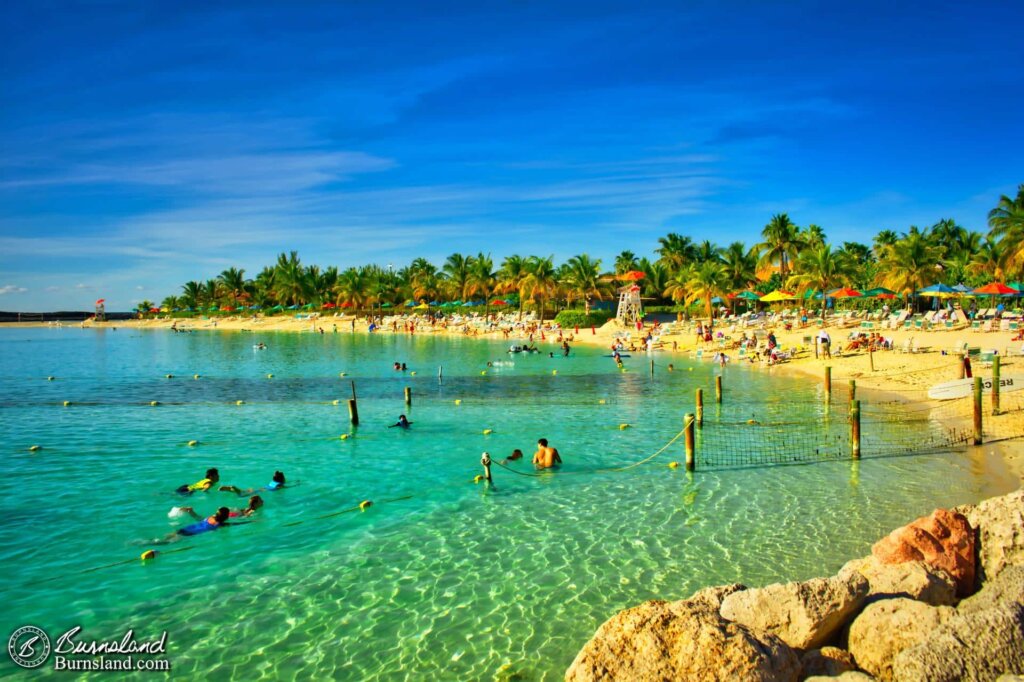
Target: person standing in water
<point>546,457</point>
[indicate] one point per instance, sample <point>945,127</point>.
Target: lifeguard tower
<point>101,311</point>
<point>630,308</point>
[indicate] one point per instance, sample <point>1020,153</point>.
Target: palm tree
<point>707,280</point>
<point>583,278</point>
<point>656,277</point>
<point>210,292</point>
<point>883,240</point>
<point>813,236</point>
<point>677,288</point>
<point>143,306</point>
<point>540,282</point>
<point>989,260</point>
<point>481,279</point>
<point>354,287</point>
<point>457,269</point>
<point>706,251</point>
<point>232,281</point>
<point>676,251</point>
<point>510,278</point>
<point>1007,223</point>
<point>625,262</point>
<point>782,243</point>
<point>821,268</point>
<point>947,234</point>
<point>171,303</point>
<point>740,265</point>
<point>290,279</point>
<point>192,294</point>
<point>909,264</point>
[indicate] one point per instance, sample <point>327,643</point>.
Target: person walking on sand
<point>546,457</point>
<point>826,343</point>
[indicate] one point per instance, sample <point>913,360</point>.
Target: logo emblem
<point>29,646</point>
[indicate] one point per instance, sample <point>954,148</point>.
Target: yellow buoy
<point>67,403</point>
<point>365,503</point>
<point>478,478</point>
<point>673,465</point>
<point>193,443</point>
<point>689,369</point>
<point>270,376</point>
<point>168,376</point>
<point>623,427</point>
<point>752,421</point>
<point>343,436</point>
<point>49,378</point>
<point>239,402</point>
<point>148,554</point>
<point>195,376</point>
<point>412,374</point>
<point>601,401</point>
<point>458,402</point>
<point>483,372</point>
<point>341,374</point>
<point>554,372</point>
<point>335,402</point>
<point>35,448</point>
<point>488,432</point>
<point>154,403</point>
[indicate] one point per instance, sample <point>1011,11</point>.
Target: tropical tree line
<point>680,271</point>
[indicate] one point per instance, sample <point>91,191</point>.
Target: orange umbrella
<point>845,292</point>
<point>632,275</point>
<point>996,289</point>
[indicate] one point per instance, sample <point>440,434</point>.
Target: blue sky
<point>143,144</point>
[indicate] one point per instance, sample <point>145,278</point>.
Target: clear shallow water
<point>452,583</point>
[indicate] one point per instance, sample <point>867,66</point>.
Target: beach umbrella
<point>278,307</point>
<point>308,305</point>
<point>347,304</point>
<point>499,302</point>
<point>996,289</point>
<point>385,305</point>
<point>213,308</point>
<point>845,292</point>
<point>100,301</point>
<point>410,304</point>
<point>468,304</point>
<point>422,306</point>
<point>293,307</point>
<point>227,308</point>
<point>880,292</point>
<point>716,299</point>
<point>254,307</point>
<point>748,296</point>
<point>433,303</point>
<point>778,296</point>
<point>329,305</point>
<point>1019,286</point>
<point>154,310</point>
<point>962,288</point>
<point>939,290</point>
<point>632,276</point>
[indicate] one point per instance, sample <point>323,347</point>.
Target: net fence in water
<point>888,429</point>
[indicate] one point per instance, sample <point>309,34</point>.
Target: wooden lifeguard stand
<point>101,310</point>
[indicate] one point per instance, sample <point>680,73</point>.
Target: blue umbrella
<point>716,299</point>
<point>934,289</point>
<point>293,307</point>
<point>962,288</point>
<point>410,304</point>
<point>467,304</point>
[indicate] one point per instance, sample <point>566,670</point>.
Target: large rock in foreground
<point>887,627</point>
<point>910,580</point>
<point>804,615</point>
<point>985,639</point>
<point>682,640</point>
<point>944,540</point>
<point>1000,537</point>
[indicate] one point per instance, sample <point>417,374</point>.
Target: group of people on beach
<point>219,519</point>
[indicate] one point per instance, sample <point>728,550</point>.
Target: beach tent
<point>779,295</point>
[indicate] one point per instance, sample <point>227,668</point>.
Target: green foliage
<point>568,319</point>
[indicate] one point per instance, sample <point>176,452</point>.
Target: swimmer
<point>546,457</point>
<point>516,454</point>
<point>276,483</point>
<point>212,476</point>
<point>206,525</point>
<point>402,422</point>
<point>255,502</point>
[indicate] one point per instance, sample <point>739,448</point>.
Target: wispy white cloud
<point>12,289</point>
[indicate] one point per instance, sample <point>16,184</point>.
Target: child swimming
<point>212,476</point>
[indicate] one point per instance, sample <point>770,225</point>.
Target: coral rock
<point>944,540</point>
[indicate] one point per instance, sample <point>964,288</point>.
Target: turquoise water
<point>454,582</point>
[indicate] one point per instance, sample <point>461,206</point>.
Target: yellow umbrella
<point>422,306</point>
<point>778,296</point>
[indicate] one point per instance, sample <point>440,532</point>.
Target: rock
<point>827,661</point>
<point>851,676</point>
<point>1006,589</point>
<point>887,627</point>
<point>711,597</point>
<point>944,540</point>
<point>976,645</point>
<point>804,615</point>
<point>1000,533</point>
<point>681,641</point>
<point>911,580</point>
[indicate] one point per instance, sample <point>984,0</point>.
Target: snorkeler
<point>212,476</point>
<point>276,483</point>
<point>402,422</point>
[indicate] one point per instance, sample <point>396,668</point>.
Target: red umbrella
<point>99,302</point>
<point>845,292</point>
<point>996,289</point>
<point>499,302</point>
<point>329,305</point>
<point>346,304</point>
<point>632,275</point>
<point>154,310</point>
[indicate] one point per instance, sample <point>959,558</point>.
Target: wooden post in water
<point>439,374</point>
<point>689,440</point>
<point>853,390</point>
<point>700,407</point>
<point>995,385</point>
<point>855,428</point>
<point>485,460</point>
<point>718,389</point>
<point>828,383</point>
<point>977,411</point>
<point>353,409</point>
<point>408,396</point>
<point>652,367</point>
